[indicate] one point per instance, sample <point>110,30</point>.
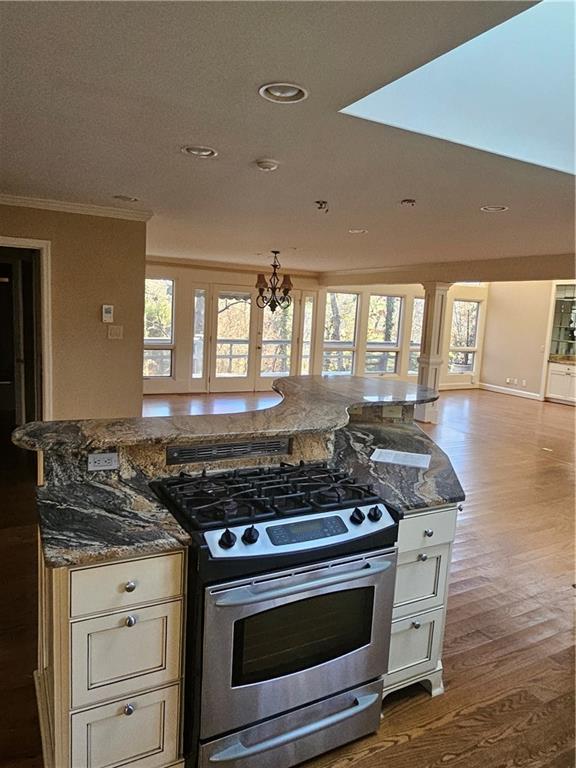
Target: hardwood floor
<point>509,639</point>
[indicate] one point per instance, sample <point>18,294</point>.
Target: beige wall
<point>94,261</point>
<point>516,334</point>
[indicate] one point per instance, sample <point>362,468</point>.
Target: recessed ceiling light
<point>283,93</point>
<point>267,164</point>
<point>198,151</point>
<point>126,198</point>
<point>494,208</point>
<point>357,231</point>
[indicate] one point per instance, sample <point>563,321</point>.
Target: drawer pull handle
<point>129,709</point>
<point>422,557</point>
<point>416,625</point>
<point>460,507</point>
<point>130,586</point>
<point>130,621</point>
<point>429,532</point>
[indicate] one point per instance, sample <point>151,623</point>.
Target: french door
<point>250,347</point>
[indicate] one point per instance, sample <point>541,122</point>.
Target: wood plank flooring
<point>508,658</point>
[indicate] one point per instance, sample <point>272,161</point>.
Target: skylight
<point>509,91</point>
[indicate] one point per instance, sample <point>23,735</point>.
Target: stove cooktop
<point>240,496</point>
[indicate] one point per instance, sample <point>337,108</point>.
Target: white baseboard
<point>447,385</point>
<point>514,392</point>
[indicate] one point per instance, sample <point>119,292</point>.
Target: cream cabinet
<point>420,595</point>
<point>561,382</point>
<point>111,662</point>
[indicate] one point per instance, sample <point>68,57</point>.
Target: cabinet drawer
<point>421,577</point>
<point>417,531</point>
<point>107,736</point>
<point>121,653</point>
<point>415,645</point>
<point>132,582</point>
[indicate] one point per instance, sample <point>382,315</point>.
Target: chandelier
<point>269,293</point>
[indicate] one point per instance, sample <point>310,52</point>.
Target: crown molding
<point>85,209</point>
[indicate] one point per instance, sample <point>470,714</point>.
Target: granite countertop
<point>563,359</point>
<point>94,521</point>
<point>310,404</point>
<point>83,522</point>
<point>402,487</point>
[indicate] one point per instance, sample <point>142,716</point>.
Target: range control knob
<point>375,514</point>
<point>357,516</point>
<point>250,535</point>
<point>228,539</point>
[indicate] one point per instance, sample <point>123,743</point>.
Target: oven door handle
<point>238,751</point>
<point>247,596</point>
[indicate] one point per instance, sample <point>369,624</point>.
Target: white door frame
<point>43,246</point>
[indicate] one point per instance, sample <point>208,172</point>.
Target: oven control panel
<point>298,534</point>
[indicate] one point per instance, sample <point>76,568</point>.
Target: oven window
<point>301,635</point>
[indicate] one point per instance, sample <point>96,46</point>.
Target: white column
<point>430,360</point>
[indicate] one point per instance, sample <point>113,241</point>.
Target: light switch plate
<point>107,313</point>
<point>115,331</point>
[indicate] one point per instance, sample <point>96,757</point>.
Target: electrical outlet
<point>102,461</point>
<point>508,380</point>
<point>523,382</point>
<point>514,381</point>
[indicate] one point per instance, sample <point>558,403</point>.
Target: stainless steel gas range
<point>291,585</point>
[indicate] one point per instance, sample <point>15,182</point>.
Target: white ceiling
<point>97,98</point>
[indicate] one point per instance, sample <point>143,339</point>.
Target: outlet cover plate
<point>97,462</point>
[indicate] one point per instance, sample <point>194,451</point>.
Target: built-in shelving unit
<point>564,324</point>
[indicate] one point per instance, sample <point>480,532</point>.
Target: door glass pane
<point>461,362</point>
<point>233,334</point>
<point>301,635</point>
<point>341,317</point>
<point>199,326</point>
<point>157,362</point>
<point>384,321</point>
<point>307,317</point>
<point>417,319</point>
<point>415,335</point>
<point>381,362</point>
<point>158,311</point>
<point>276,342</point>
<point>464,324</point>
<point>338,361</point>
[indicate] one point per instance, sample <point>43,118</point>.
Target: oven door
<point>287,640</point>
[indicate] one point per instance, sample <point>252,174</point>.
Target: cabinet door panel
<point>421,578</point>
<point>106,737</point>
<point>415,646</point>
<point>124,652</point>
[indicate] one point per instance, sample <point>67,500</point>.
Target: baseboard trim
<point>44,718</point>
<point>447,386</point>
<point>513,392</point>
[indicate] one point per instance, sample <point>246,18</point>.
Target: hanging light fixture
<point>272,293</point>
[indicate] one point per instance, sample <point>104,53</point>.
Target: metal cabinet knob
<point>460,507</point>
<point>129,709</point>
<point>130,621</point>
<point>422,557</point>
<point>130,586</point>
<point>416,624</point>
<point>429,532</point>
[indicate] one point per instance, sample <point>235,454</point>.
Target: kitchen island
<point>108,547</point>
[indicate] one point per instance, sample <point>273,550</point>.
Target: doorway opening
<point>20,341</point>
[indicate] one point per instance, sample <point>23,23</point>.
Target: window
<point>233,334</point>
<point>158,328</point>
<point>415,335</point>
<point>463,336</point>
<point>276,342</point>
<point>307,320</point>
<point>199,333</point>
<point>340,333</point>
<point>383,334</point>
